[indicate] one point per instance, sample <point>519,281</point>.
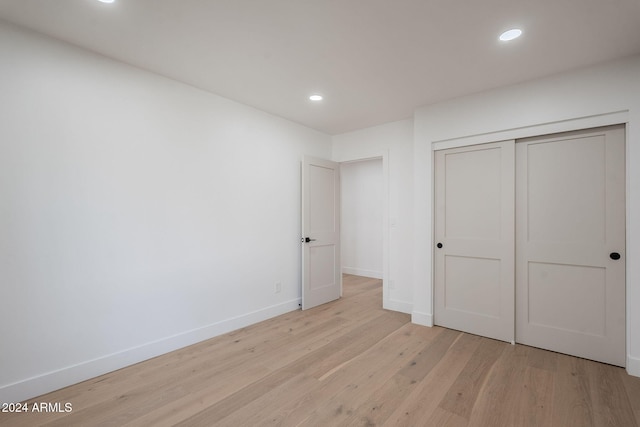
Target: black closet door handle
<point>439,245</point>
<point>614,255</point>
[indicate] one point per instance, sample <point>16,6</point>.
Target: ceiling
<point>375,61</point>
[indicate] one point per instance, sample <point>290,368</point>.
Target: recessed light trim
<point>107,1</point>
<point>510,34</point>
<point>315,97</point>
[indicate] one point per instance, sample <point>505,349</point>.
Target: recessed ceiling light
<point>510,34</point>
<point>106,1</point>
<point>316,97</point>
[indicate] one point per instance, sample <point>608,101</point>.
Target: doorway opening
<point>362,219</point>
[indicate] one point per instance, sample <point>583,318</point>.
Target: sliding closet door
<point>570,250</point>
<point>474,231</point>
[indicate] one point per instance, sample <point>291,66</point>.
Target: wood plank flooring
<point>350,363</point>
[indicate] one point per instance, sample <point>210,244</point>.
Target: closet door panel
<point>570,217</point>
<point>474,225</point>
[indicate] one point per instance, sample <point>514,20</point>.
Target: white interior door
<point>321,273</point>
<point>474,232</point>
<point>570,223</point>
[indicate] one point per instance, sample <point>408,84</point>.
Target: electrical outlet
<point>278,287</point>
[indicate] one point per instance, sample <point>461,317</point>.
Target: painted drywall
<point>393,142</point>
<point>361,218</point>
<point>137,214</point>
<point>606,94</point>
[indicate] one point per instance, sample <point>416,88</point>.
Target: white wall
<point>601,95</point>
<point>393,142</point>
<point>137,214</point>
<point>361,218</point>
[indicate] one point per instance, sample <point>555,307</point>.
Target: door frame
<point>384,156</point>
<point>576,124</point>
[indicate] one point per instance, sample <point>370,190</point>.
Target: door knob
<point>614,255</point>
<point>307,240</point>
<point>439,245</point>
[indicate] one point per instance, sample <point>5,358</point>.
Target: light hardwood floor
<point>350,363</point>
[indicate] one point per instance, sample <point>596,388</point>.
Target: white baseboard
<point>633,366</point>
<point>362,272</point>
<point>424,319</point>
<point>51,381</point>
<point>401,306</point>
